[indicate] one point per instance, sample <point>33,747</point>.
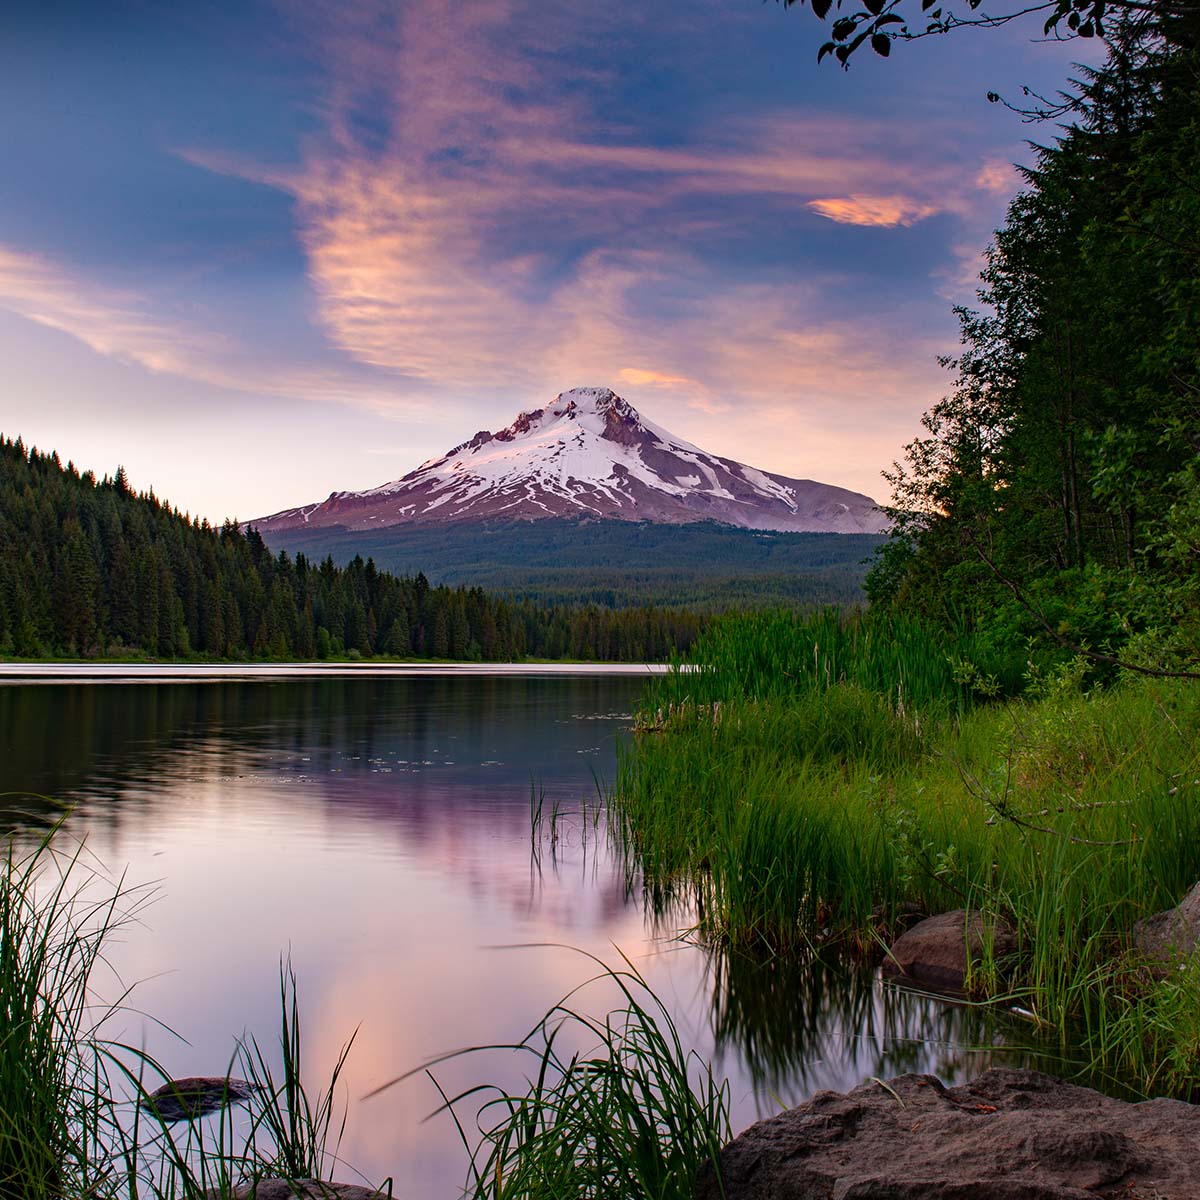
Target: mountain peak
<point>598,409</point>
<point>590,453</point>
<point>590,399</point>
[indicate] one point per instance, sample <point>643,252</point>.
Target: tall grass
<point>77,1120</point>
<point>793,814</point>
<point>282,1132</point>
<point>56,1114</point>
<point>783,654</point>
<point>613,1106</point>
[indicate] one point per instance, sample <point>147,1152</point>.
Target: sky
<point>258,251</point>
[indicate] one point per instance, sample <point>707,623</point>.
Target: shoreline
<point>75,672</point>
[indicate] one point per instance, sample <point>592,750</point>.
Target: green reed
<point>613,1105</point>
<point>286,1134</point>
<point>780,654</point>
<point>56,1113</point>
<point>77,1121</point>
<point>794,813</point>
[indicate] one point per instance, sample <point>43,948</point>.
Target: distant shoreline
<point>116,672</point>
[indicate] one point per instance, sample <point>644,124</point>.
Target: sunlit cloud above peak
<point>639,377</point>
<point>494,221</point>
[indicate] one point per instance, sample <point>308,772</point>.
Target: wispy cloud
<point>132,326</point>
<point>111,321</point>
<point>641,377</point>
<point>997,176</point>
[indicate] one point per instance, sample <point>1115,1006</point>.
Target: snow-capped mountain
<point>589,454</point>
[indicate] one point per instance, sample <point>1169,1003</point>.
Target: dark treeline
<point>89,568</point>
<point>1056,498</point>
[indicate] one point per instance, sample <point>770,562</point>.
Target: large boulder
<point>934,951</point>
<point>1167,938</point>
<point>1009,1135</point>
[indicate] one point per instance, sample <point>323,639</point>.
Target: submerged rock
<point>1009,1135</point>
<point>197,1095</point>
<point>934,950</point>
<point>1169,937</point>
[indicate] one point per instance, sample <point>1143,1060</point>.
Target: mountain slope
<point>589,453</point>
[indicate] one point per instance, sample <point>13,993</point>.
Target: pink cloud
<point>481,131</point>
<point>998,176</point>
<point>111,321</point>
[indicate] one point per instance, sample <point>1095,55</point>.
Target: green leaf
<point>881,44</point>
<point>821,8</point>
<point>874,7</point>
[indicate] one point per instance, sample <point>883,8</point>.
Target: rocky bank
<point>1009,1135</point>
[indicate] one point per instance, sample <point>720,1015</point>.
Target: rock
<point>301,1189</point>
<point>1167,937</point>
<point>186,1099</point>
<point>1009,1135</point>
<point>934,950</point>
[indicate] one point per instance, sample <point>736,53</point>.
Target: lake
<point>377,828</point>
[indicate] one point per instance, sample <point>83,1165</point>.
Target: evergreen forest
<point>89,568</point>
<point>1054,501</point>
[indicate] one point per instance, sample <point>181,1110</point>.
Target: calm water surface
<point>378,830</point>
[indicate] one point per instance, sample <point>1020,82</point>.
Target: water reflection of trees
<point>74,740</point>
<point>804,1022</point>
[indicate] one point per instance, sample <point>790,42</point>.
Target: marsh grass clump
<point>789,815</point>
<point>612,1106</point>
<point>280,1131</point>
<point>784,654</point>
<point>56,1112</point>
<point>77,1118</point>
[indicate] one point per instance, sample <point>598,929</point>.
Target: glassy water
<point>378,831</point>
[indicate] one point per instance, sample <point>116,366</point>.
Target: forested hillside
<point>1057,494</point>
<point>612,563</point>
<point>89,568</point>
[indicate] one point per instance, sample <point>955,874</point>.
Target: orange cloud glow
<point>884,212</point>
